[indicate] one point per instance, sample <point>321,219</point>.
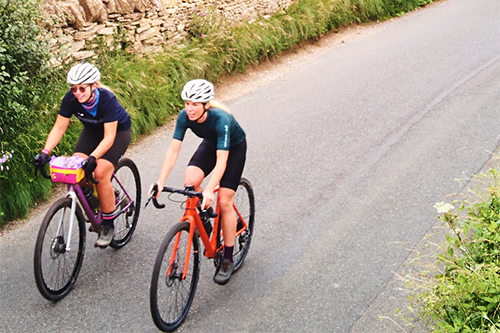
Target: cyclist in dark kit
<point>222,153</point>
<point>104,139</point>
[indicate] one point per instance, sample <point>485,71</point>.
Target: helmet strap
<point>204,111</point>
<point>92,95</point>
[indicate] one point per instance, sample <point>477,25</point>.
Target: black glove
<point>40,160</point>
<point>89,165</point>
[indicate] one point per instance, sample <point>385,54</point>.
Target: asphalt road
<point>347,157</point>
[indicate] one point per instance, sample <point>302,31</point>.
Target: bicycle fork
<point>71,194</point>
<point>172,263</point>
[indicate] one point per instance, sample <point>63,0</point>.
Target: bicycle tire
<point>244,201</point>
<point>127,173</point>
<point>57,267</point>
<point>170,295</point>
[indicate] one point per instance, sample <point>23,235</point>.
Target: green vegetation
<point>460,291</point>
<point>148,87</point>
<point>24,83</point>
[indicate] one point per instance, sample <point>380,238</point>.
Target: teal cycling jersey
<point>220,128</point>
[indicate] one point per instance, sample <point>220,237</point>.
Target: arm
<point>56,133</point>
<point>107,141</point>
<point>217,173</point>
<point>168,163</point>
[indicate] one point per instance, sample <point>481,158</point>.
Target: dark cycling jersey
<point>220,128</point>
<point>108,111</point>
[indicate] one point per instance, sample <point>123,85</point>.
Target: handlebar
<point>189,191</point>
<point>88,175</point>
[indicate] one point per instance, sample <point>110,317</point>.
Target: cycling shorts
<point>205,158</point>
<point>89,141</point>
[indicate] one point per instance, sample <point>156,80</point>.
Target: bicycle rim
<point>58,259</point>
<point>171,295</point>
<point>127,175</point>
<point>244,202</point>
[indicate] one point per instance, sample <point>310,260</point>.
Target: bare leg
<point>103,173</point>
<point>193,177</point>
<point>228,217</point>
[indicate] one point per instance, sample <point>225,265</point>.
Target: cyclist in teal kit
<point>221,153</point>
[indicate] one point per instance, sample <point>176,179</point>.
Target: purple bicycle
<point>60,244</point>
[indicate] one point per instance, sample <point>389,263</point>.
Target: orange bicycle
<point>176,270</point>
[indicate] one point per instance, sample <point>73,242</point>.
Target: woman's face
<point>82,92</point>
<point>194,110</point>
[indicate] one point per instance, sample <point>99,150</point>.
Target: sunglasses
<point>75,89</point>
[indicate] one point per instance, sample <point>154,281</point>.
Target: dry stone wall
<point>148,24</point>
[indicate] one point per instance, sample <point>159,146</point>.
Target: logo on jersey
<point>226,128</point>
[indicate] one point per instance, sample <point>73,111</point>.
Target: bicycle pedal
<point>101,247</point>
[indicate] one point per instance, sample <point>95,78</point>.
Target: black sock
<point>228,252</point>
<point>108,219</point>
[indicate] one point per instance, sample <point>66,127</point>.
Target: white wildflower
<point>443,207</point>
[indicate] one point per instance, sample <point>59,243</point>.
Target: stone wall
<point>149,24</point>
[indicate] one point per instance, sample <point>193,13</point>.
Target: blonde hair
<point>98,84</point>
<point>219,105</point>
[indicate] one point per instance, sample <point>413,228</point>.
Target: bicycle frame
<point>212,245</point>
<point>74,192</point>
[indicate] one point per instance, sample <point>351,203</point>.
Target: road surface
<point>347,156</point>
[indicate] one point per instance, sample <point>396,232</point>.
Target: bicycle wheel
<point>126,174</point>
<point>171,295</point>
<point>244,201</point>
<point>58,255</point>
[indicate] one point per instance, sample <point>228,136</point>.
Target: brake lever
<point>149,199</point>
<point>154,192</point>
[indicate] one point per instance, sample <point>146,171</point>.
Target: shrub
<point>23,59</point>
<point>464,294</point>
<point>23,70</point>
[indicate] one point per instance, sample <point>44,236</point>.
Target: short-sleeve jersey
<point>108,111</point>
<point>220,128</point>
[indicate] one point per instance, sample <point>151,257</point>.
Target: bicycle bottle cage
<point>207,213</point>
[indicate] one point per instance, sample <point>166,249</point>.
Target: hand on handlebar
<point>39,163</point>
<point>208,199</point>
<point>88,167</point>
<point>153,190</point>
<point>40,160</point>
<point>154,194</point>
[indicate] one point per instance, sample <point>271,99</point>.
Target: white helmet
<point>83,73</point>
<point>199,91</point>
